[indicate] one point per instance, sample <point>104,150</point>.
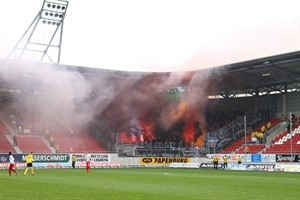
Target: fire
<point>124,137</point>
<point>189,134</point>
<point>148,134</point>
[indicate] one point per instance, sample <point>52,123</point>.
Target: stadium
<point>147,135</point>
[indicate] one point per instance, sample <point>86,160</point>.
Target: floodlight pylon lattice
<point>42,40</point>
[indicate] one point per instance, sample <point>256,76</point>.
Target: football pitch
<point>149,183</point>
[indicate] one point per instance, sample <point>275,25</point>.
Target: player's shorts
<point>29,164</point>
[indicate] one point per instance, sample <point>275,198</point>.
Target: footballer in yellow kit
<point>29,164</point>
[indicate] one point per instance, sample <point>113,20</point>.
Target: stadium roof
<point>260,76</point>
<point>274,73</point>
<point>274,70</point>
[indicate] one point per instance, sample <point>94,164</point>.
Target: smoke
<point>46,93</point>
<point>148,103</point>
<point>141,104</point>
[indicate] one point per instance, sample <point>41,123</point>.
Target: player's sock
<point>26,171</point>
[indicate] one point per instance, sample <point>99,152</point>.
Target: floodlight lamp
<point>52,13</point>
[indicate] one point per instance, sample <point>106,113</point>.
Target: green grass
<point>143,184</point>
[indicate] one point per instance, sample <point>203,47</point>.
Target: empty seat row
<point>28,143</point>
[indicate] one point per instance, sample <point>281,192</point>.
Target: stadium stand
<point>5,145</point>
<point>238,145</point>
<point>28,143</point>
<point>280,137</point>
<point>284,142</point>
<point>252,96</point>
<point>78,142</point>
<point>253,148</point>
<point>38,138</point>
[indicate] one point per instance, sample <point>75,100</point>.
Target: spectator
<point>71,132</point>
<point>283,118</point>
<point>47,134</point>
<point>294,119</point>
<point>15,140</point>
<point>51,141</point>
<point>288,127</point>
<point>254,137</point>
<point>264,140</point>
<point>20,130</point>
<point>263,128</point>
<point>246,149</point>
<point>260,137</point>
<point>269,125</point>
<point>56,149</point>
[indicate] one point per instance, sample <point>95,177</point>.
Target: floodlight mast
<point>50,19</point>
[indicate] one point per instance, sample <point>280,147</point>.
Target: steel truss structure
<point>43,38</point>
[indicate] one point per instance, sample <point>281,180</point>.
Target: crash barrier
<point>102,160</point>
<point>286,167</point>
<point>257,158</point>
<point>61,160</point>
